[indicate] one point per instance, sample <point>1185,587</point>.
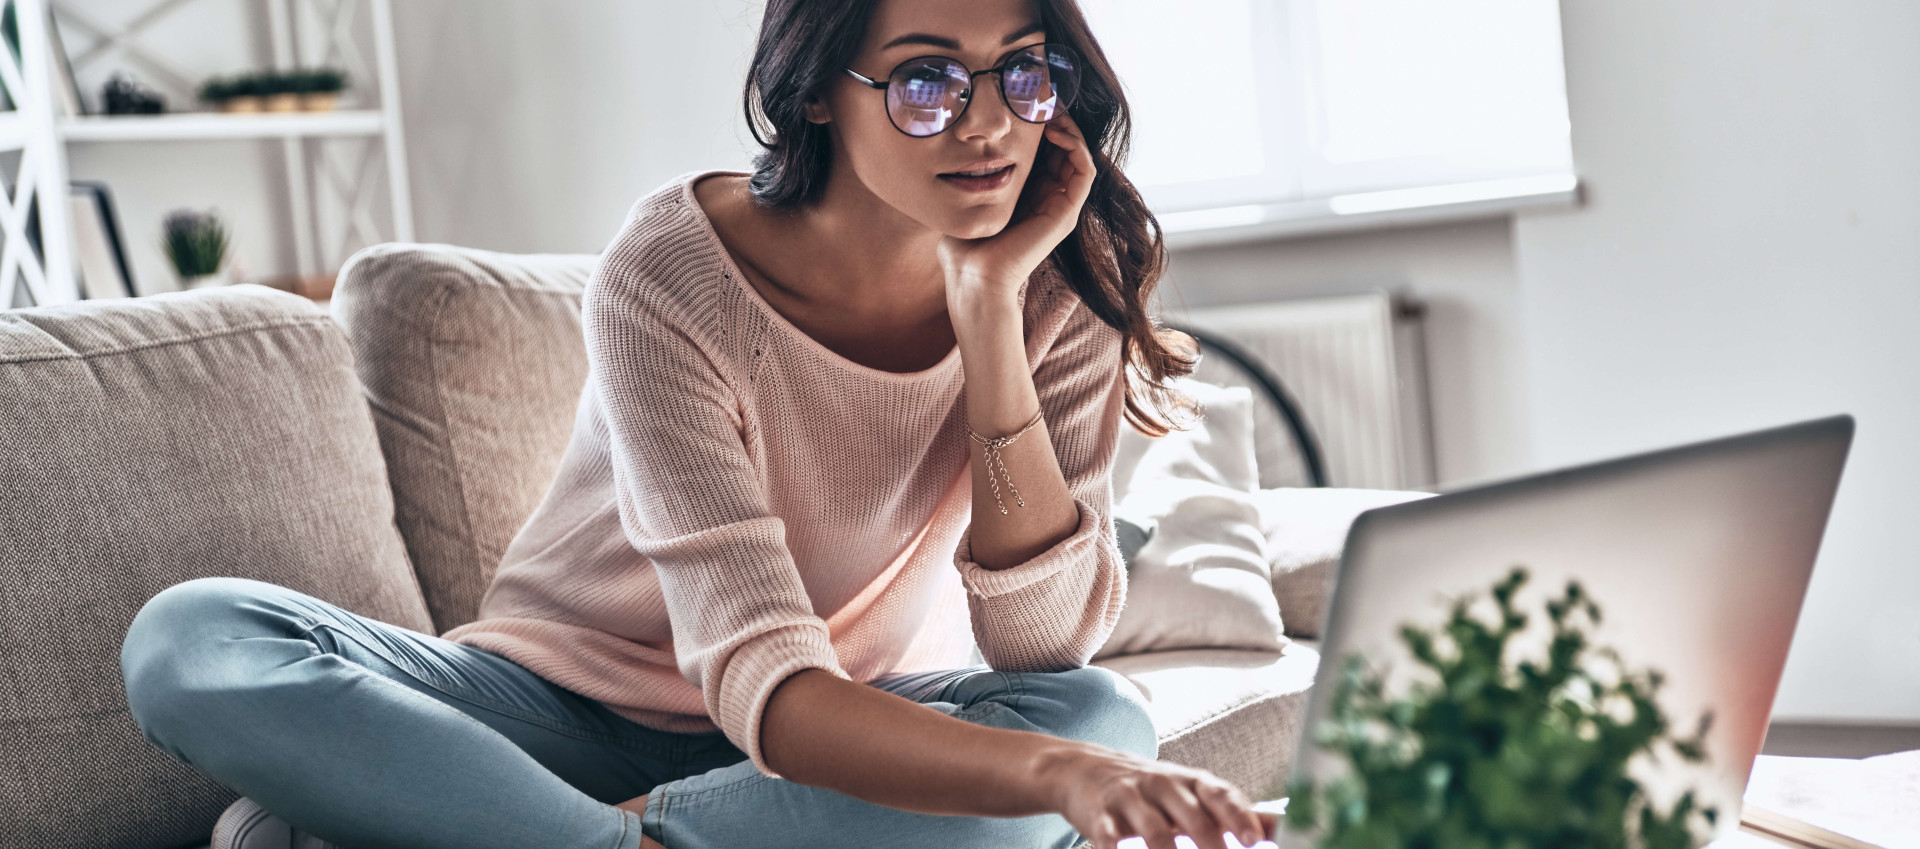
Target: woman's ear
<point>817,111</point>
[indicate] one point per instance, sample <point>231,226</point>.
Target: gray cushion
<point>474,363</point>
<point>1232,712</point>
<point>146,442</point>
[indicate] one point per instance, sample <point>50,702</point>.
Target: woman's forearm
<point>825,731</point>
<point>1000,399</point>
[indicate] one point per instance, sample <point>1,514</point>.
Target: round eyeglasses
<point>928,94</point>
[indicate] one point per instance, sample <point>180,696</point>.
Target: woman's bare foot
<point>638,805</point>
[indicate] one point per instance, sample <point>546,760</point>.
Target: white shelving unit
<point>43,136</point>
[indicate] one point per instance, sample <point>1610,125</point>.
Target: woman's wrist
<point>1055,769</point>
<point>982,303</point>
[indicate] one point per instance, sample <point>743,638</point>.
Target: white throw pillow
<point>1202,578</point>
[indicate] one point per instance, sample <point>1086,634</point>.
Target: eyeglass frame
<point>999,84</point>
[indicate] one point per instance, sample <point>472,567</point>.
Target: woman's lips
<point>991,182</point>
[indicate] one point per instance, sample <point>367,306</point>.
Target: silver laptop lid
<point>1698,555</point>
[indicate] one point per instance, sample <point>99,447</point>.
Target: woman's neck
<point>862,248</point>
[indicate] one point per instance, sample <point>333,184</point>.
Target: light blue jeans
<point>371,736</point>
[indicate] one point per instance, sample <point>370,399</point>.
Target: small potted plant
<point>319,88</point>
<point>196,244</point>
<point>236,93</point>
<point>277,91</point>
<point>224,94</point>
<point>1486,749</point>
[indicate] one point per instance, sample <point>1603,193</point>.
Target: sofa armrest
<point>1306,529</point>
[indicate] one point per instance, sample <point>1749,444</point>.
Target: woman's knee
<point>1098,705</point>
<point>175,648</point>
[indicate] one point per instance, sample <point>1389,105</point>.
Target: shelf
<point>186,126</point>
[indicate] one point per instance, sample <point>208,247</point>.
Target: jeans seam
<point>657,806</point>
<point>484,703</point>
<point>722,790</point>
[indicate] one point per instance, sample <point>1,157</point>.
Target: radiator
<point>1355,365</point>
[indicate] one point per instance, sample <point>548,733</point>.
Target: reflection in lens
<point>924,96</point>
<point>1039,82</point>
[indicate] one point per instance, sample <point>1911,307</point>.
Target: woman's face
<point>906,172</point>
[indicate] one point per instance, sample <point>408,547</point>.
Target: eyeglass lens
<point>925,95</point>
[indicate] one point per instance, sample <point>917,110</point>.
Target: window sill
<point>1367,211</point>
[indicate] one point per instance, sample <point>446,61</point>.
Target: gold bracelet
<point>991,452</point>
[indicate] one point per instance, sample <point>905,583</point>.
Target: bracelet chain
<point>991,450</point>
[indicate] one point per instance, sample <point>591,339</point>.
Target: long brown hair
<point>1114,258</point>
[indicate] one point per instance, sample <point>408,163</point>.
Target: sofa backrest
<point>145,442</point>
<point>473,362</point>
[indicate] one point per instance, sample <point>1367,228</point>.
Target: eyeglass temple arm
<point>871,83</point>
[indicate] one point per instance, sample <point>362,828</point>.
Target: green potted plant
<point>230,94</point>
<point>319,88</point>
<point>277,91</point>
<point>1483,751</point>
<point>196,244</point>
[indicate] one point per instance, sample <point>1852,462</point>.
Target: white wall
<point>535,126</point>
<point>1750,256</point>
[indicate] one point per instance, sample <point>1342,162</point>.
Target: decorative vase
<point>242,103</point>
<point>285,101</point>
<point>319,101</point>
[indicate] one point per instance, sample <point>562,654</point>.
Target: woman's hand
<point>1109,795</point>
<point>997,265</point>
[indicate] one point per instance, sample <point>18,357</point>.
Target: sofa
<point>378,453</point>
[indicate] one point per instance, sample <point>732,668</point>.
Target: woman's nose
<point>987,115</point>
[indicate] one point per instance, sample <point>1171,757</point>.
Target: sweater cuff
<point>759,666</point>
<point>1077,546</point>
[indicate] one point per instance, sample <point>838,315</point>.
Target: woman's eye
<point>1025,63</point>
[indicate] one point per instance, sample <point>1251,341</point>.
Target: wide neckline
<point>733,273</point>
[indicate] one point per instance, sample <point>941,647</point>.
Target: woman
<point>784,506</point>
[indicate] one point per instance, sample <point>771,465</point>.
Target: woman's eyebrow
<point>945,43</point>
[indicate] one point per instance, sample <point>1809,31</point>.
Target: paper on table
<point>1873,800</point>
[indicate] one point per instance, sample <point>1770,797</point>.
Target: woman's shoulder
<point>665,251</point>
<point>667,268</point>
<point>664,232</point>
<point>1054,306</point>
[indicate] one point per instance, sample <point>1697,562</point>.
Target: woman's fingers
<point>1066,135</point>
<point>1269,825</point>
<point>1145,820</point>
<point>1190,817</point>
<point>1232,810</point>
<point>1104,832</point>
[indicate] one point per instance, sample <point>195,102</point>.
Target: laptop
<point>1698,556</point>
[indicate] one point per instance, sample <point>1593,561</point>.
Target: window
<point>1252,110</point>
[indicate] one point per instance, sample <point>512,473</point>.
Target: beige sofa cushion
<point>150,441</point>
<point>1234,713</point>
<point>1306,530</point>
<point>474,363</point>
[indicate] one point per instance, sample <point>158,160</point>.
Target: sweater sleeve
<point>690,502</point>
<point>1054,611</point>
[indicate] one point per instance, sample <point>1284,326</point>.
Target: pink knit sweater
<point>739,503</point>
